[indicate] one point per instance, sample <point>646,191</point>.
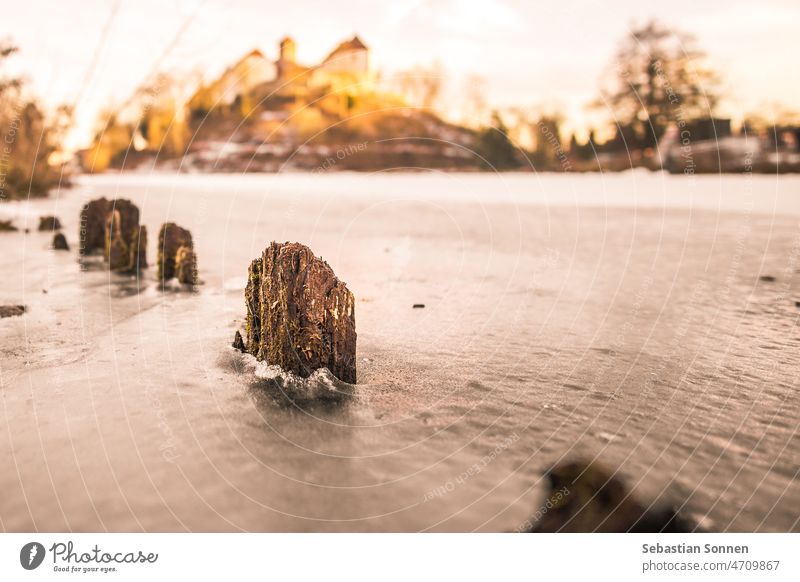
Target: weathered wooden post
<point>125,239</point>
<point>60,242</point>
<point>92,234</point>
<point>299,315</point>
<point>171,239</point>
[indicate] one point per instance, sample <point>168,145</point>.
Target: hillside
<point>310,140</point>
<point>264,115</point>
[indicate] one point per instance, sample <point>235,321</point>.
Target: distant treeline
<point>662,100</point>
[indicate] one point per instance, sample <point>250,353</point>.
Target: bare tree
<point>659,77</point>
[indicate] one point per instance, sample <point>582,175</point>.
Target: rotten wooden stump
<point>49,223</point>
<point>587,497</point>
<point>60,242</point>
<point>92,235</point>
<point>7,226</point>
<point>171,239</point>
<point>125,239</point>
<point>299,315</point>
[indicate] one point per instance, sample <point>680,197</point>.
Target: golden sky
<point>531,54</point>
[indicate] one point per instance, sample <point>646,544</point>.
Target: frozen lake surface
<point>620,316</point>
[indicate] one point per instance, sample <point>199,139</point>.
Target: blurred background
<point>203,85</point>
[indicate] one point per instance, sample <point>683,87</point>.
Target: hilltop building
<point>273,114</point>
<point>255,81</point>
<point>251,70</point>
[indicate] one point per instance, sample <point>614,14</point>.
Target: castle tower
<point>288,50</point>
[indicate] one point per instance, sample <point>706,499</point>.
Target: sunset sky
<point>531,54</point>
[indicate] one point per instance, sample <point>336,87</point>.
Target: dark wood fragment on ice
<point>299,315</point>
<point>238,343</point>
<point>587,497</point>
<point>60,242</point>
<point>49,223</point>
<point>11,310</point>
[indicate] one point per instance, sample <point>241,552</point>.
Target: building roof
<point>354,44</point>
<point>231,70</point>
<point>254,53</point>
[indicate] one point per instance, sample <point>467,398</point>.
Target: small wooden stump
<point>171,238</point>
<point>299,315</point>
<point>60,242</point>
<point>125,240</point>
<point>49,223</point>
<point>7,226</point>
<point>12,310</point>
<point>92,234</point>
<point>238,343</point>
<point>587,497</point>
